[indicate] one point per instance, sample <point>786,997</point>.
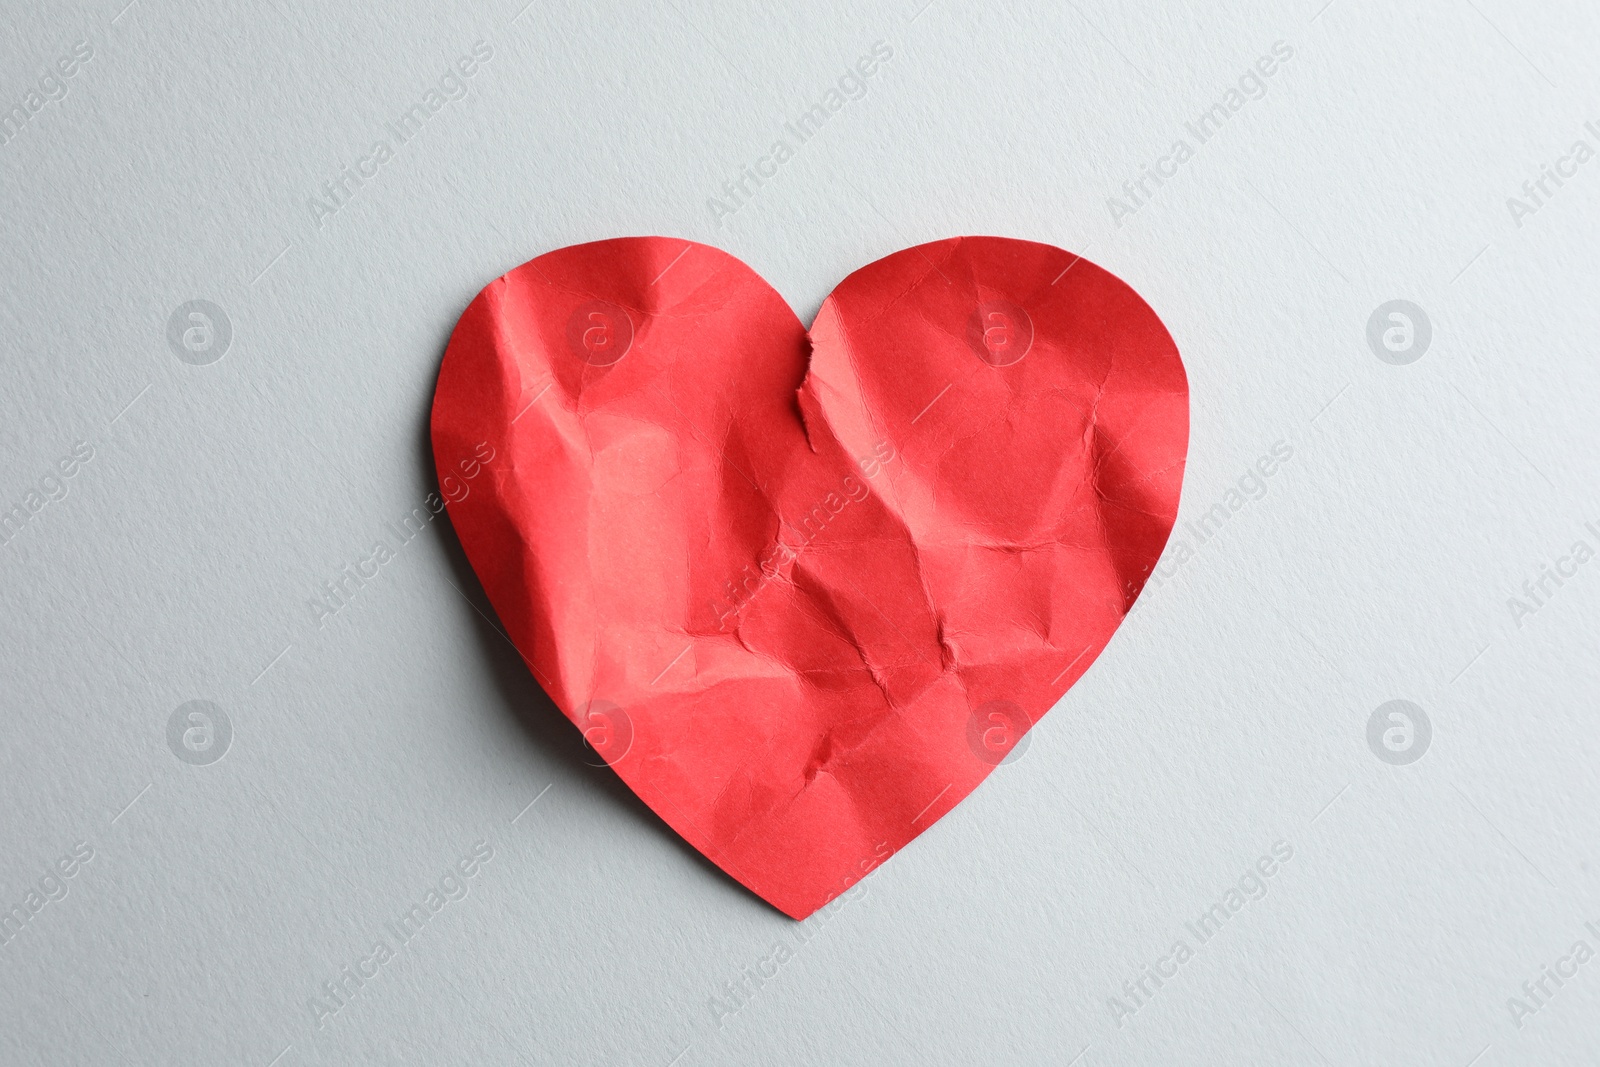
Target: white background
<point>1229,713</point>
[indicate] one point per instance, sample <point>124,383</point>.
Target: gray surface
<point>368,755</point>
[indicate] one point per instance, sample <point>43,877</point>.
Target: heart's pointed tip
<point>798,910</point>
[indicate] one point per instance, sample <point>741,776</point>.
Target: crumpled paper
<point>804,591</point>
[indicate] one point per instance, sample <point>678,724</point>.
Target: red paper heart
<point>803,591</point>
